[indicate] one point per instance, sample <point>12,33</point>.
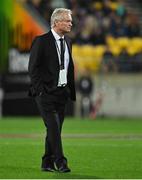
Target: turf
<point>100,149</point>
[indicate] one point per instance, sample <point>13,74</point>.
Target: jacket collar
<point>51,36</point>
<point>56,36</point>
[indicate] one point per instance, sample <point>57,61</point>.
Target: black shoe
<point>48,168</point>
<point>48,165</point>
<point>63,168</point>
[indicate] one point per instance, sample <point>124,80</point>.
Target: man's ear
<point>55,23</point>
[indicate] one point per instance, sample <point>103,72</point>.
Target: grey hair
<point>57,15</point>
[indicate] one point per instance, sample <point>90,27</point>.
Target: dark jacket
<point>44,66</point>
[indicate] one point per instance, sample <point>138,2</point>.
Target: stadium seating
<point>98,25</point>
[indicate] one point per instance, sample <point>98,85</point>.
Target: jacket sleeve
<point>34,65</point>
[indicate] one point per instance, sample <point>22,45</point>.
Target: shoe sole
<point>47,169</point>
<point>64,171</point>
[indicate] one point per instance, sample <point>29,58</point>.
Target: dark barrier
<point>16,101</point>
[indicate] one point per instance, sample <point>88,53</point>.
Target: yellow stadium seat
<point>113,5</point>
<point>123,42</point>
<point>98,5</point>
<point>88,56</point>
<point>132,50</point>
<point>111,41</point>
<point>99,51</point>
<point>137,43</point>
<point>115,50</point>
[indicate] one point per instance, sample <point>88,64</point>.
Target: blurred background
<point>107,52</point>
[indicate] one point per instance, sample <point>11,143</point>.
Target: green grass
<point>100,149</point>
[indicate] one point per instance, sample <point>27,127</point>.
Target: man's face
<point>64,25</point>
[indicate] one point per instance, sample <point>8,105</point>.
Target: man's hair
<point>57,15</point>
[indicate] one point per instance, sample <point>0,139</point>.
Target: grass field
<point>100,149</point>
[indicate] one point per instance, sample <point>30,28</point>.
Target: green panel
<point>6,9</point>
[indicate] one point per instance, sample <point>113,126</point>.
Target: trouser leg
<point>53,120</point>
<point>61,113</point>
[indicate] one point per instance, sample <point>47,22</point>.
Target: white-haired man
<point>51,72</point>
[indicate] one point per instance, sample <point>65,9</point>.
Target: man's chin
<point>67,31</point>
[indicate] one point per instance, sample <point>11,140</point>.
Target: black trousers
<point>52,113</point>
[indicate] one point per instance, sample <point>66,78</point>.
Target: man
<point>51,71</point>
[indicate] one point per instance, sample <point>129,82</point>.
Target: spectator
<point>93,19</point>
<point>85,87</point>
